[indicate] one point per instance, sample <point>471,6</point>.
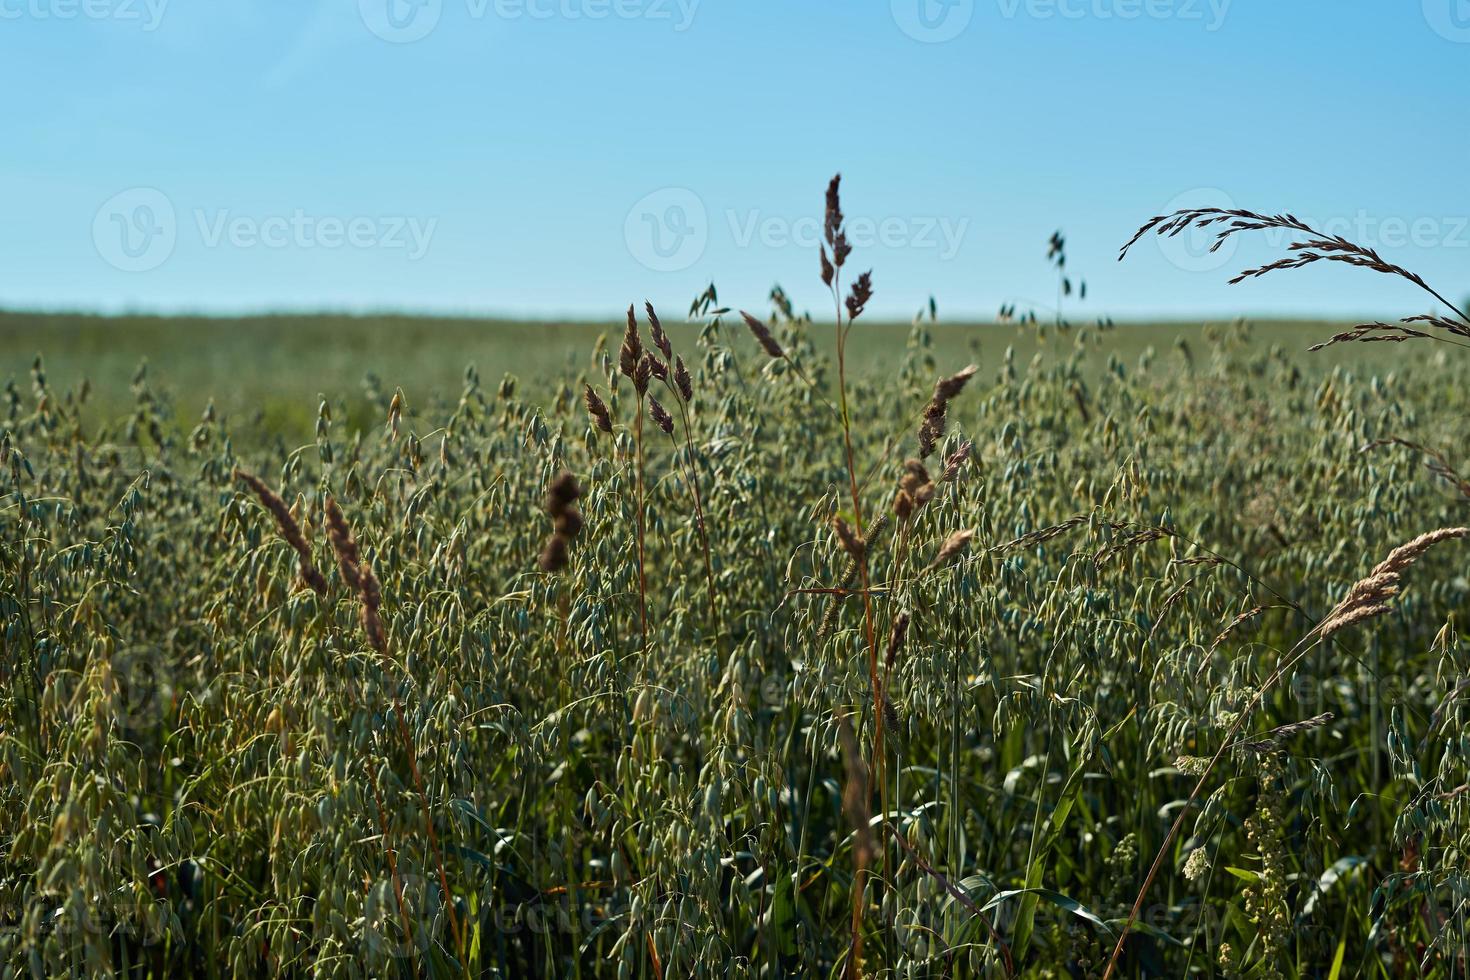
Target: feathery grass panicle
<point>642,373</point>
<point>660,415</point>
<point>1368,598</point>
<point>682,381</point>
<point>289,528</point>
<point>1310,246</point>
<point>597,410</point>
<point>631,351</point>
<point>763,335</point>
<point>656,330</point>
<point>953,547</point>
<point>860,294</point>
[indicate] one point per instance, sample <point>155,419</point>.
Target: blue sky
<point>566,157</point>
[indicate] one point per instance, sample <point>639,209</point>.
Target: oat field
<point>737,645</point>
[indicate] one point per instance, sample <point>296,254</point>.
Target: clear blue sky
<point>565,157</point>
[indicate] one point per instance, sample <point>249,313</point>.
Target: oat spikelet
<point>1369,597</point>
<point>955,461</point>
<point>395,414</point>
<point>597,409</point>
<point>953,546</point>
<point>763,335</point>
<point>290,530</point>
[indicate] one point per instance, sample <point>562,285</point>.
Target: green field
<point>268,373</point>
<point>687,740</point>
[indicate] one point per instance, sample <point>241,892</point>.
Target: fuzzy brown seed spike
<point>914,475</point>
<point>568,523</point>
<point>660,415</point>
<point>372,605</point>
<point>597,410</point>
<point>852,543</point>
<point>762,335</point>
<point>562,491</point>
<point>561,494</point>
<point>657,368</point>
<point>682,380</point>
<point>656,329</point>
<point>896,638</point>
<point>349,562</point>
<point>828,272</point>
<point>556,554</point>
<point>289,528</point>
<point>903,505</point>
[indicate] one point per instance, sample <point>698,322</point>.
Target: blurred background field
<point>269,373</point>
